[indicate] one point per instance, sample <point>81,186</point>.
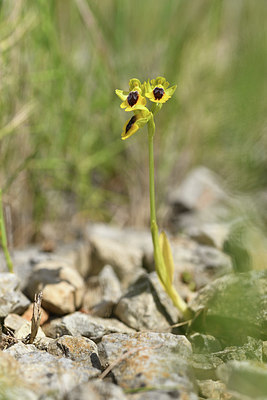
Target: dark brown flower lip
<point>130,123</point>
<point>132,98</point>
<point>158,93</point>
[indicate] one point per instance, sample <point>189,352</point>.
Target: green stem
<point>153,220</point>
<point>3,237</point>
<point>151,131</point>
<point>159,262</point>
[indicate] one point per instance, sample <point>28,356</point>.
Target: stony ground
<point>109,331</point>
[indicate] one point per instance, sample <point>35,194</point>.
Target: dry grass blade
<point>18,33</point>
<point>19,119</point>
<point>36,315</point>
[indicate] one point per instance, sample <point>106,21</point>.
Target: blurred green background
<point>60,123</point>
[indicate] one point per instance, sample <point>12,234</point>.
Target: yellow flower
<point>134,99</point>
<point>158,90</point>
<point>138,120</point>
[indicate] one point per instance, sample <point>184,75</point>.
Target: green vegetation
<point>59,121</point>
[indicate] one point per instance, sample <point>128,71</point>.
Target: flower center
<point>132,98</point>
<point>130,123</point>
<point>158,93</point>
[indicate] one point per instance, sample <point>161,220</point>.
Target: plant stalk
<point>3,236</point>
<point>158,257</point>
<point>153,219</point>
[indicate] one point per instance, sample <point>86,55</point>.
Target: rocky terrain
<point>108,330</point>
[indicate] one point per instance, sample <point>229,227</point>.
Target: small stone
<point>141,309</point>
<point>149,359</point>
<point>13,386</point>
<point>14,322</point>
<point>25,330</point>
<point>102,293</point>
<point>78,255</point>
<point>62,286</point>
<point>264,350</point>
<point>79,349</point>
<point>80,324</point>
<point>132,237</point>
<point>96,390</point>
<point>201,188</point>
<point>202,343</point>
<point>19,349</point>
<point>209,234</point>
<point>28,314</point>
<point>125,260</point>
<point>215,390</point>
<point>21,327</point>
<point>12,300</point>
<point>43,343</point>
<point>47,374</point>
<point>202,263</point>
<point>205,364</point>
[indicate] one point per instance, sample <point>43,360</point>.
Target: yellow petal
<point>150,95</point>
<point>167,255</point>
<point>134,83</point>
<point>135,107</point>
<point>121,94</point>
<point>129,128</point>
<point>171,90</point>
<point>124,104</point>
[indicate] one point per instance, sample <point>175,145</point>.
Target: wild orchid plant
<point>158,92</point>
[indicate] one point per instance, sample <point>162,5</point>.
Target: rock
<point>149,359</point>
<point>47,374</point>
<point>19,349</point>
<point>205,364</point>
<point>245,377</point>
<point>141,309</point>
<point>79,324</point>
<point>12,384</point>
<point>208,234</point>
<point>251,350</point>
<point>215,390</point>
<point>200,189</point>
<point>233,307</point>
<point>21,327</point>
<point>14,322</point>
<point>103,293</point>
<point>28,314</point>
<point>77,254</point>
<point>11,298</point>
<point>24,260</point>
<point>125,260</point>
<point>62,286</point>
<point>79,349</point>
<point>43,343</point>
<point>264,350</point>
<point>204,344</point>
<point>201,263</point>
<point>201,198</point>
<point>163,301</point>
<point>130,237</point>
<point>96,390</point>
<point>168,394</point>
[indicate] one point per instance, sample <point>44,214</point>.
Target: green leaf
<point>167,255</point>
